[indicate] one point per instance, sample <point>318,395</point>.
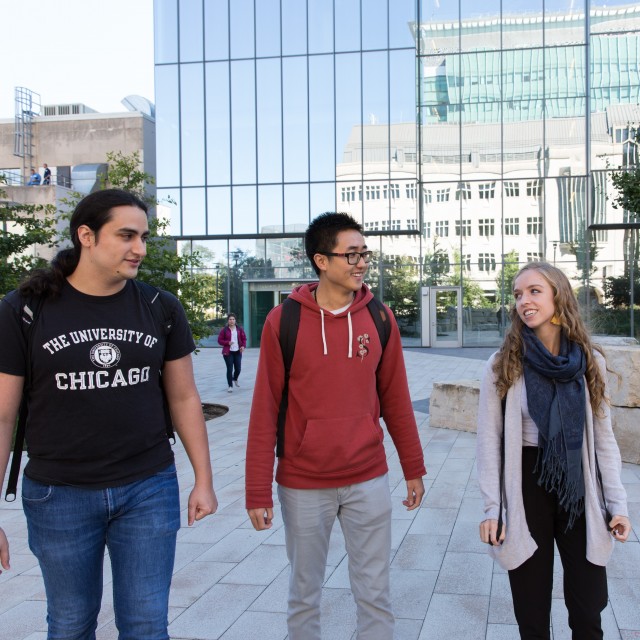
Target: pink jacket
<point>224,339</point>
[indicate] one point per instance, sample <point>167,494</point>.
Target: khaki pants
<point>364,512</point>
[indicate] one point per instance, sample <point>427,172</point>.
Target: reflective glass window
<point>194,214</point>
<point>192,124</point>
<point>269,121</point>
<point>402,17</point>
<point>375,24</point>
<point>167,126</point>
<point>320,20</point>
<point>295,121</point>
<point>268,28</point>
<point>165,18</point>
<point>243,122</point>
<point>321,118</point>
<point>169,209</point>
<point>296,205</point>
<point>270,209</point>
<point>348,112</point>
<point>241,28</point>
<point>219,210</point>
<point>323,198</point>
<point>375,107</point>
<point>216,35</point>
<point>218,123</point>
<point>294,27</point>
<point>244,210</point>
<point>347,27</point>
<point>191,30</point>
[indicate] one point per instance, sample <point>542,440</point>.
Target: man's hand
<point>489,531</point>
<point>261,518</point>
<point>415,493</point>
<point>4,552</point>
<point>202,502</point>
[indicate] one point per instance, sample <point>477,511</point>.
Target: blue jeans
<point>69,529</point>
<point>234,363</point>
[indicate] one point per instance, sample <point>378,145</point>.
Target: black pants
<point>585,584</point>
<point>234,365</point>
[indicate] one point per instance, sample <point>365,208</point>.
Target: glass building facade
<point>465,142</point>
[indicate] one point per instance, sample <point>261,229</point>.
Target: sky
<point>88,51</point>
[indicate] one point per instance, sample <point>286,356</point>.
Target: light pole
<point>555,246</point>
<point>217,300</point>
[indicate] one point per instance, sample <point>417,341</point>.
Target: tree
<point>25,229</point>
<point>473,295</point>
<point>504,278</point>
<point>436,265</point>
<point>163,266</point>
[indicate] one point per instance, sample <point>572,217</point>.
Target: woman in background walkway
<point>233,340</point>
<point>561,474</point>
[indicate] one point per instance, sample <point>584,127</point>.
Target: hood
<point>304,295</point>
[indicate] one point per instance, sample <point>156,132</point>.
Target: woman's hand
<point>620,528</point>
<point>489,530</point>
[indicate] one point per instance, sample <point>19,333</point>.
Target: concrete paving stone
<point>465,537</point>
<point>434,521</point>
<point>444,496</point>
<point>502,632</point>
<point>236,545</point>
<point>625,561</point>
<point>22,563</point>
<point>212,529</point>
<point>630,474</point>
<point>211,615</point>
<point>188,584</point>
<point>37,635</point>
<point>422,552</point>
<point>399,529</point>
<point>23,619</point>
<point>633,492</point>
<point>406,629</point>
<point>501,606</point>
<point>260,567</point>
<point>465,574</point>
<point>188,552</point>
<point>455,617</point>
<point>274,597</point>
<point>629,634</point>
<point>17,589</point>
<point>471,509</point>
<point>411,592</point>
<point>253,624</point>
<point>339,578</point>
<point>624,596</point>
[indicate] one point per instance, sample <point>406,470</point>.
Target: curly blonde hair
<point>508,362</point>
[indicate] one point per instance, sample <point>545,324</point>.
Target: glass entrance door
<point>446,320</point>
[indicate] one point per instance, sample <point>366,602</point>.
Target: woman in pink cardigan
<point>233,340</point>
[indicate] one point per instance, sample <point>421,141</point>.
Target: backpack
<point>289,322</point>
<point>30,312</point>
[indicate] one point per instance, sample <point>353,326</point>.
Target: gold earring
<point>555,320</point>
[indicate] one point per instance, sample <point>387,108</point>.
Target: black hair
<point>322,234</point>
<point>94,211</point>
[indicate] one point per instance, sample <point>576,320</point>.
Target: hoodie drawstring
<point>350,335</point>
<point>324,338</point>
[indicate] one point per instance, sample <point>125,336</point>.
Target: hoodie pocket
<point>338,444</point>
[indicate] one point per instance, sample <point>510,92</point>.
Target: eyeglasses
<point>352,257</point>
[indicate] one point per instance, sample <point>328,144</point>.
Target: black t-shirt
<point>96,416</point>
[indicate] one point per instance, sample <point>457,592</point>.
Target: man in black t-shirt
<point>101,469</point>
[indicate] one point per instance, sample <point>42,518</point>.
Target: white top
<point>234,340</point>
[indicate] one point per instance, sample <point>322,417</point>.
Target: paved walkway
<point>230,582</point>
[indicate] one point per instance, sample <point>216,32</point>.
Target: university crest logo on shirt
<point>105,355</point>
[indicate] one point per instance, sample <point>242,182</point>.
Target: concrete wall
<point>454,405</point>
<point>82,139</point>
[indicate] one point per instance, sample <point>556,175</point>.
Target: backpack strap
<point>29,314</point>
<point>164,320</point>
<point>381,320</point>
<point>289,322</point>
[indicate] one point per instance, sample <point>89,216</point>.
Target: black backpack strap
<point>289,322</point>
<point>164,320</point>
<point>380,319</point>
<point>29,314</point>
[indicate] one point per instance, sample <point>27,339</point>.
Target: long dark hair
<point>94,211</point>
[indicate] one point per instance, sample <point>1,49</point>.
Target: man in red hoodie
<point>334,462</point>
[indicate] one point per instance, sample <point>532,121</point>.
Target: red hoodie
<point>333,436</point>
